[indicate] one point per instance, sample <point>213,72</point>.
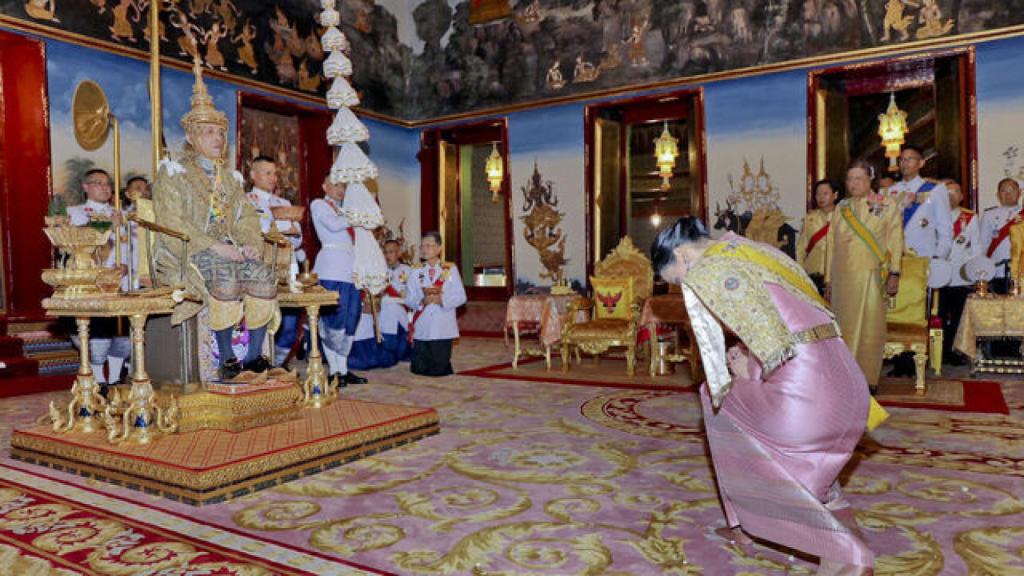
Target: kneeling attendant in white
<point>434,292</point>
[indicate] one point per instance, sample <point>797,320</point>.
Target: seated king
<point>204,199</point>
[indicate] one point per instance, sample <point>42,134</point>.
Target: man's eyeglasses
<point>103,183</point>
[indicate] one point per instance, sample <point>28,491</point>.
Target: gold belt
<point>817,333</point>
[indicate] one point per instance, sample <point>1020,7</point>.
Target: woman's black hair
<point>687,229</point>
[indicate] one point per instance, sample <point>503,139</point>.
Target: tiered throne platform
<point>208,466</point>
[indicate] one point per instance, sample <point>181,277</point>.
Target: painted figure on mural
<point>930,18</point>
<point>637,43</point>
<point>101,4</point>
<point>228,13</point>
<point>42,10</point>
<point>307,82</point>
<point>214,57</point>
<point>584,71</point>
<point>246,55</point>
<point>144,9</point>
<point>187,44</point>
<point>201,6</point>
<point>554,79</point>
<point>895,20</point>
<point>122,26</point>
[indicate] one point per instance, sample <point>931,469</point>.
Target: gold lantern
<point>666,150</point>
<point>892,127</point>
<point>495,169</point>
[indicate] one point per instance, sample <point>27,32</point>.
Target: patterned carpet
<point>535,478</point>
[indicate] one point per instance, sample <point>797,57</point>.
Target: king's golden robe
<point>864,244</point>
<point>183,201</point>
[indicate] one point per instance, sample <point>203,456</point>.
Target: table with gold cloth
<point>669,310</point>
<point>546,312</point>
<point>991,316</point>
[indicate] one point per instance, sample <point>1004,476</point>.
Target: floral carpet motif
<point>42,533</point>
<point>536,478</point>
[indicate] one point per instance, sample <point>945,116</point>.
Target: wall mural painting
<point>273,42</point>
<point>753,209</point>
<point>542,226</point>
<point>421,59</point>
<point>274,135</point>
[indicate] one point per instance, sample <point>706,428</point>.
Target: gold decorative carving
<point>541,226</point>
<point>205,410</point>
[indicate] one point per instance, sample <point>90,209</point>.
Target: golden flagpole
<point>156,119</point>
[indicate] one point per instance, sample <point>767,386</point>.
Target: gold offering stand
<point>83,290</point>
<point>317,391</point>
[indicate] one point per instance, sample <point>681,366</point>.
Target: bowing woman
<point>785,406</point>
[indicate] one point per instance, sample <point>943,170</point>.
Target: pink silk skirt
<point>779,442</point>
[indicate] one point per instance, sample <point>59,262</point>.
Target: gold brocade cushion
<point>910,306</point>
<point>906,333</point>
<point>615,328</point>
<point>612,296</point>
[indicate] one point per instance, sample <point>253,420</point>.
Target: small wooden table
<point>669,309</point>
<point>989,317</point>
<point>545,311</point>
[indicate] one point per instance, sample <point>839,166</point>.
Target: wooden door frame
<point>649,108</point>
<point>966,57</point>
<point>26,175</point>
<point>476,132</point>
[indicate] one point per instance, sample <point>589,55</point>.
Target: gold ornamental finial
<point>203,110</point>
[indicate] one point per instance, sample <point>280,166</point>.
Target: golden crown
<point>203,111</point>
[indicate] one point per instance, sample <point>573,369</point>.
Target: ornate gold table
<point>141,419</point>
<point>317,391</point>
<point>991,316</point>
<point>545,311</point>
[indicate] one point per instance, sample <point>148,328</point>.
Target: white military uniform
<point>103,349</point>
<point>435,322</point>
<point>393,310</point>
<point>929,232</point>
<point>263,201</point>
<point>992,222</point>
<point>966,244</point>
<point>334,262</point>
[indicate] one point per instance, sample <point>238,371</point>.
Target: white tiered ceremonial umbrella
<point>351,165</point>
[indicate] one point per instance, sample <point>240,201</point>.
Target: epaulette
<point>932,180</point>
<point>447,265</point>
<point>416,265</point>
<point>967,211</point>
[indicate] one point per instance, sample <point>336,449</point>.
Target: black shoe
<point>337,377</point>
<point>259,365</point>
<point>105,390</point>
<point>351,378</point>
<point>230,369</point>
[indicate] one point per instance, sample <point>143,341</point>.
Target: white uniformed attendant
<point>434,291</point>
<point>263,173</point>
<point>394,313</point>
<point>927,228</point>
<point>995,242</point>
<point>262,196</point>
<point>966,235</point>
<point>105,347</point>
<point>334,267</point>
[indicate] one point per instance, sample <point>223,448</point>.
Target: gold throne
<point>906,323</point>
<point>621,282</point>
